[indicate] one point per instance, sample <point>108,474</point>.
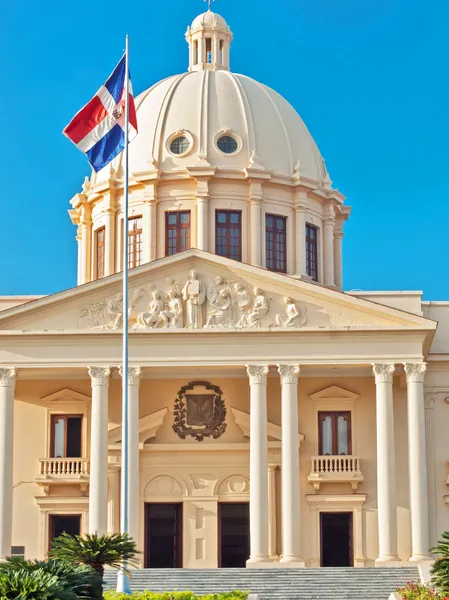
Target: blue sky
<point>369,77</point>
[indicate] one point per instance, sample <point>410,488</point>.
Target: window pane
<point>59,438</point>
<point>326,435</point>
<point>235,217</point>
<point>221,216</point>
<point>74,437</point>
<point>343,438</point>
<point>185,217</point>
<point>171,219</point>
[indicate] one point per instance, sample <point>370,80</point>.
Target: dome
<point>202,106</point>
<point>209,19</point>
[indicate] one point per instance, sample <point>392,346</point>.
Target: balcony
<point>335,469</point>
<point>63,471</point>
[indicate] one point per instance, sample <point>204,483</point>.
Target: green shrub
<point>440,568</point>
<point>33,585</point>
<point>235,595</point>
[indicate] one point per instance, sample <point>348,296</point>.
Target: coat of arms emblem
<point>199,411</point>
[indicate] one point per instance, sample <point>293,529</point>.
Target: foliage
<point>235,595</point>
<point>440,568</point>
<point>22,584</point>
<point>419,591</point>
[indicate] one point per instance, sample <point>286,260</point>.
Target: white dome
<point>209,19</point>
<point>202,105</point>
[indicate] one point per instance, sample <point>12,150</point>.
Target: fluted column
<point>133,452</point>
<point>291,500</point>
<point>109,249</point>
<point>386,477</point>
<point>272,519</point>
<point>419,504</point>
<point>98,487</point>
<point>300,239</point>
<point>114,499</point>
<point>338,255</point>
<point>149,216</point>
<point>258,465</point>
<point>328,244</point>
<point>7,383</point>
<point>202,203</point>
<point>86,244</point>
<point>256,226</point>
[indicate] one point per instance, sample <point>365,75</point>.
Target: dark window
<point>228,235</point>
<point>163,536</point>
<point>233,534</point>
<point>335,433</point>
<point>177,232</point>
<point>60,524</point>
<point>179,145</point>
<point>99,253</point>
<point>209,50</point>
<point>134,241</point>
<point>227,144</point>
<point>275,243</point>
<point>312,251</point>
<point>66,434</point>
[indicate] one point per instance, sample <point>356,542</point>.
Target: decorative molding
<point>326,501</point>
<point>429,400</point>
<point>383,372</point>
<point>134,374</point>
<point>289,373</point>
<point>99,375</point>
<point>234,484</point>
<point>242,420</point>
<point>149,425</point>
<point>8,377</point>
<point>66,395</point>
<point>201,414</point>
<point>334,392</point>
<point>63,503</point>
<point>415,372</point>
<point>257,373</point>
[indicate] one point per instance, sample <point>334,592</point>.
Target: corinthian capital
<point>8,377</point>
<point>99,375</point>
<point>257,373</point>
<point>415,371</point>
<point>289,373</point>
<point>383,372</point>
<point>133,375</point>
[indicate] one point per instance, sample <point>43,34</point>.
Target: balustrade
<point>328,469</point>
<point>64,468</point>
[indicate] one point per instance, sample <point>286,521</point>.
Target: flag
<point>98,129</point>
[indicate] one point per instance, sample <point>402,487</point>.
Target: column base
<point>420,558</point>
<point>292,562</point>
<point>260,562</point>
<point>389,561</point>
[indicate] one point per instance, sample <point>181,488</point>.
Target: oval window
<point>227,144</point>
<point>179,145</point>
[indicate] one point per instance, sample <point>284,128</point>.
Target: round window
<point>227,144</point>
<point>179,145</point>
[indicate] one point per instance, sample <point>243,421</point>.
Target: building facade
<point>274,419</point>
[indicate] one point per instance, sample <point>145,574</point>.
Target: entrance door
<point>163,527</point>
<point>60,524</point>
<point>233,535</point>
<point>336,540</point>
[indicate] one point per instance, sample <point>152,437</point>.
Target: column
<point>419,505</point>
<point>149,222</point>
<point>98,486</point>
<point>201,51</point>
<point>86,244</point>
<point>328,245</point>
<point>80,255</point>
<point>386,477</point>
<point>272,529</point>
<point>256,226</point>
<point>7,383</point>
<point>300,237</point>
<point>133,452</point>
<point>258,465</point>
<point>216,50</point>
<point>429,401</point>
<point>202,231</point>
<point>291,498</point>
<point>114,499</point>
<point>109,229</point>
<point>338,255</point>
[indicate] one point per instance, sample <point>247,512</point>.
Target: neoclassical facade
<point>274,419</point>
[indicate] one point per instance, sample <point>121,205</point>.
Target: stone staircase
<point>276,584</point>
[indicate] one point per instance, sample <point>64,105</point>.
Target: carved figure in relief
<point>259,310</point>
<point>115,309</point>
<point>242,304</point>
<point>216,286</point>
<point>156,314</point>
<point>220,310</point>
<point>175,310</point>
<point>293,317</point>
<point>173,287</point>
<point>194,293</point>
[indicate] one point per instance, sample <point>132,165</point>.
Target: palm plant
<point>96,551</point>
<point>440,568</point>
<point>22,584</point>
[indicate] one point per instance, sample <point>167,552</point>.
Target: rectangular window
<point>134,241</point>
<point>99,252</point>
<point>66,435</point>
<point>335,437</point>
<point>228,234</point>
<point>209,50</point>
<point>177,232</point>
<point>275,243</point>
<point>312,251</point>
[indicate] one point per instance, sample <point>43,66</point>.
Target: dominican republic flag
<point>98,128</point>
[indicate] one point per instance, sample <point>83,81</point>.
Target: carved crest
<point>199,411</point>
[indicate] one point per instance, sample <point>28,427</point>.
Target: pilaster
<point>8,378</point>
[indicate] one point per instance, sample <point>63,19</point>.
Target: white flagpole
<point>122,578</point>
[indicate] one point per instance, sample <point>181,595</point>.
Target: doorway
<point>233,534</point>
<point>59,524</point>
<point>163,536</point>
<point>336,539</point>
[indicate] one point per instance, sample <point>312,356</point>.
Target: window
<point>99,253</point>
<point>335,433</point>
<point>227,144</point>
<point>179,145</point>
<point>65,441</point>
<point>228,238</point>
<point>312,251</point>
<point>134,241</point>
<point>275,243</point>
<point>209,50</point>
<point>177,232</point>
<point>59,524</point>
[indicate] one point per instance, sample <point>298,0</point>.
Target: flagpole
<point>122,578</point>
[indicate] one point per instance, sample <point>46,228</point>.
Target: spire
<point>209,39</point>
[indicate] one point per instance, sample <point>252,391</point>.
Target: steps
<point>276,584</point>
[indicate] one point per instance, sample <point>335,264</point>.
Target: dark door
<point>60,524</point>
<point>163,542</point>
<point>336,540</point>
<point>233,535</point>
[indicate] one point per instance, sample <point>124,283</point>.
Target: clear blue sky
<point>369,77</point>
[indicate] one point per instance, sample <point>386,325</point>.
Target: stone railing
<point>63,468</point>
<point>330,469</point>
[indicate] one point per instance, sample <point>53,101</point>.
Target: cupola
<point>209,39</point>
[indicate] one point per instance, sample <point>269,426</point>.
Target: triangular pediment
<point>229,295</point>
<point>334,392</point>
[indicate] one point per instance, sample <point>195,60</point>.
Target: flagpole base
<point>123,586</point>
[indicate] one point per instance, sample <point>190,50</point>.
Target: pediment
<point>66,395</point>
<point>334,392</point>
<point>224,295</point>
<point>149,425</point>
<point>242,420</point>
